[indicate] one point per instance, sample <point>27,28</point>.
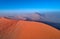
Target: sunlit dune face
<point>5,23</point>
<point>34,30</point>
<point>26,30</point>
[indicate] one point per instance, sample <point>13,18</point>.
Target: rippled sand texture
<point>13,29</point>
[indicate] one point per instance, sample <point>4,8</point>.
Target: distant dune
<point>50,18</point>
<point>20,29</point>
<point>37,16</point>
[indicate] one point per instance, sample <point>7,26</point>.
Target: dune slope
<point>12,29</point>
<point>6,27</point>
<point>35,30</point>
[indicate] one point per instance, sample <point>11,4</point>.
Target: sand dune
<point>6,22</point>
<point>13,29</point>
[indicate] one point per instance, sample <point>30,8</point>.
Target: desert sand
<point>13,29</point>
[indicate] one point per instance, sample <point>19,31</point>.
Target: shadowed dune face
<point>53,17</point>
<point>26,30</point>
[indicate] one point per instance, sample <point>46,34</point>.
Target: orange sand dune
<point>4,23</point>
<point>12,29</point>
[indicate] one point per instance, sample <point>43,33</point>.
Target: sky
<point>30,5</point>
<point>11,7</point>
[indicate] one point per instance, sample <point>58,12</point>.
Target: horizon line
<point>30,10</point>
